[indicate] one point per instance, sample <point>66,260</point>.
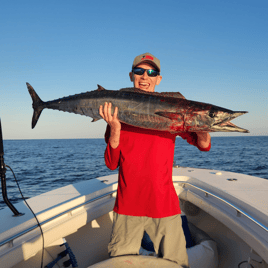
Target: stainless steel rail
<point>10,239</point>
<point>207,193</point>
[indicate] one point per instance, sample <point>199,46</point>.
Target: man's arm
<point>203,139</point>
<point>112,136</point>
<point>113,122</point>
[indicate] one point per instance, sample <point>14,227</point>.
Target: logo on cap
<point>147,57</point>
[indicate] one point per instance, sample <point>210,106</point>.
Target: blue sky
<point>210,51</point>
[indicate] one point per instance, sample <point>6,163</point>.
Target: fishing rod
<point>3,177</point>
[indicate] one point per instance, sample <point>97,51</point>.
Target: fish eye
<point>212,114</point>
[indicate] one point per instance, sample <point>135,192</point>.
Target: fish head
<point>212,119</point>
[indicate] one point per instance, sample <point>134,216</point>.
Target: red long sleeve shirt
<point>145,160</point>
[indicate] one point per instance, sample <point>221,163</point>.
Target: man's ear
<point>159,78</point>
<point>131,76</point>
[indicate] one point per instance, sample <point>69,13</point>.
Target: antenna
<point>3,176</point>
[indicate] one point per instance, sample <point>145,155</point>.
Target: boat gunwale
<point>180,183</point>
<point>264,227</point>
<point>8,240</point>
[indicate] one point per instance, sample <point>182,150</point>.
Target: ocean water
<point>44,165</point>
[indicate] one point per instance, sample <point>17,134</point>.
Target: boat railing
<point>207,194</point>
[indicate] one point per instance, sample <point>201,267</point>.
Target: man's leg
<point>126,235</point>
<point>168,238</point>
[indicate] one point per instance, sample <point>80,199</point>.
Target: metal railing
<point>238,210</point>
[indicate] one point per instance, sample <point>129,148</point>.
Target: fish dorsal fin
<point>100,88</point>
<point>161,94</point>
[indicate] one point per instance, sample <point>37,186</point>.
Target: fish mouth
<point>226,126</point>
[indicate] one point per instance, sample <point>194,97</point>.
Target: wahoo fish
<point>167,111</point>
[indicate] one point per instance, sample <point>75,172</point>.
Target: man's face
<point>145,82</point>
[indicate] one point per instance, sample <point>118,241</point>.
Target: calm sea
<point>43,165</point>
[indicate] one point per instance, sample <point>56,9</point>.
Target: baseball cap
<point>147,57</point>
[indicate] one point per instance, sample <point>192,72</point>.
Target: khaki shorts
<point>166,234</point>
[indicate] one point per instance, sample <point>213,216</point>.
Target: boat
<point>224,218</point>
<point>227,215</point>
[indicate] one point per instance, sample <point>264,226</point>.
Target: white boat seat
<point>135,261</point>
<point>204,254</point>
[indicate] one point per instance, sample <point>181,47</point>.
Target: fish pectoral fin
<point>95,119</point>
<point>171,116</point>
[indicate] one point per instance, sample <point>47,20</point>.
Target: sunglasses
<point>150,72</point>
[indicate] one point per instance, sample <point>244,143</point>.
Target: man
<point>146,198</point>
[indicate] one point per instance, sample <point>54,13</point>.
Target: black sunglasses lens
<point>152,72</point>
<point>140,71</point>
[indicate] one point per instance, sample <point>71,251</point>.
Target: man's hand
<point>203,139</point>
<point>113,122</point>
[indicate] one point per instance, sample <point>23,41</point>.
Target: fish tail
<point>37,105</point>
